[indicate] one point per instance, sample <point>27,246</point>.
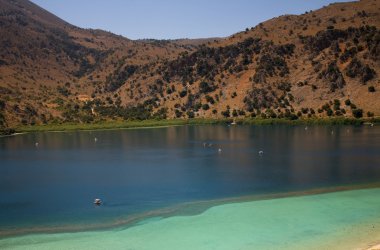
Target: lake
<point>48,181</point>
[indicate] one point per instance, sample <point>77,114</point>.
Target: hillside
<point>322,63</point>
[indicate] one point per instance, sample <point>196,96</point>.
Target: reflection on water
<point>54,183</point>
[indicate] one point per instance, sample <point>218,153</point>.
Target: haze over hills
<point>321,63</point>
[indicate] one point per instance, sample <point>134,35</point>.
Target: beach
<point>374,247</point>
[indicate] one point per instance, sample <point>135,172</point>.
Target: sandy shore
<point>374,247</point>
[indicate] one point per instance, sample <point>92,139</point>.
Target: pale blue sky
<point>170,19</point>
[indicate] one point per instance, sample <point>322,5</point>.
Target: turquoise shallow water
<point>339,220</point>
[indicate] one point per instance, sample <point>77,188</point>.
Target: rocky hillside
<point>321,63</point>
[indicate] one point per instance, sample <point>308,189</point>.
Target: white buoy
<point>219,150</point>
<point>97,201</point>
<point>261,152</point>
<point>95,139</point>
<point>36,144</point>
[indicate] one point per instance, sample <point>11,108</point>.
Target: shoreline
<point>291,223</point>
<point>118,124</point>
<point>192,208</point>
<point>375,246</point>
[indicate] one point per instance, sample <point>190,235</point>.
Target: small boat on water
<point>98,202</point>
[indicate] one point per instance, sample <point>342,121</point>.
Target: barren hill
<point>321,63</point>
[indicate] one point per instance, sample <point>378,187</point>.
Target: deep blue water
<point>137,170</point>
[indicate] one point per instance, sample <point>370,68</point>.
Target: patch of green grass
<point>119,124</point>
<point>100,125</point>
<point>308,121</point>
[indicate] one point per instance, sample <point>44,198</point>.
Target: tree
<point>367,74</point>
<point>371,89</point>
<point>190,114</point>
<point>210,99</point>
<point>205,106</point>
<point>357,113</point>
<point>2,105</point>
<point>197,106</point>
<point>336,104</point>
<point>226,113</point>
<point>178,113</point>
<point>2,120</point>
<point>183,93</point>
<point>161,113</point>
<point>205,87</point>
<point>370,114</point>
